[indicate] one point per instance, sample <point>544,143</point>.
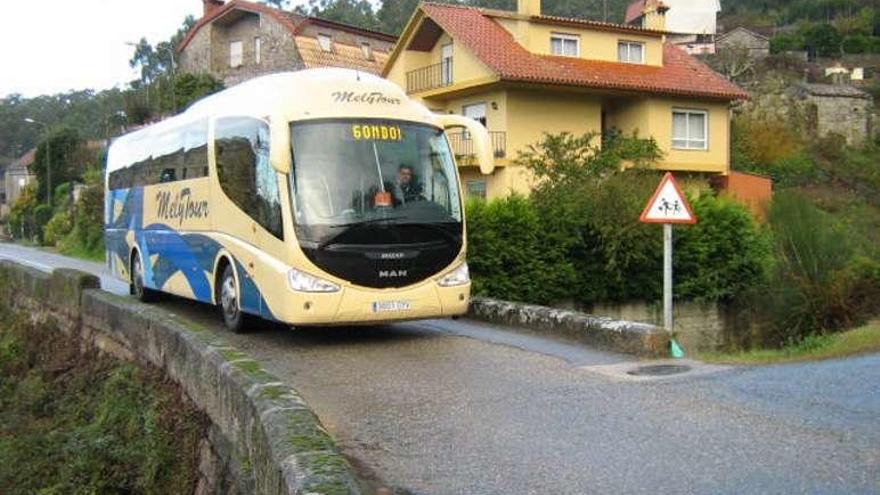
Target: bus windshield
<point>351,172</point>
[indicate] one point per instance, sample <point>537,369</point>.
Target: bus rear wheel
<point>233,318</point>
<point>136,286</point>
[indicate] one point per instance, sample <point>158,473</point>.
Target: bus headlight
<point>303,282</point>
<point>459,276</point>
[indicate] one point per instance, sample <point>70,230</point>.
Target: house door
<point>446,65</point>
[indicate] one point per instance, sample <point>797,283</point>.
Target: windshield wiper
<point>332,239</point>
<point>366,222</point>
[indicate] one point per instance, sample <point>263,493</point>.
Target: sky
<point>54,46</point>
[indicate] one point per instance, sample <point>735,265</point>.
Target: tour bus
<point>312,198</point>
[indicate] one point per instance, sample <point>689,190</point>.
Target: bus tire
<point>227,301</point>
<point>136,285</point>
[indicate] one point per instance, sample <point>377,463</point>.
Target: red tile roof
<point>680,75</point>
<point>634,10</point>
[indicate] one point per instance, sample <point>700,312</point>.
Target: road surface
<point>457,407</point>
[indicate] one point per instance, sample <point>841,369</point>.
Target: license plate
<point>385,306</point>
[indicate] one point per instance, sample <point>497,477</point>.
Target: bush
<point>86,239</point>
<point>818,284</point>
<point>722,256</point>
<point>509,256</point>
<point>42,215</point>
<point>759,141</point>
<point>58,227</point>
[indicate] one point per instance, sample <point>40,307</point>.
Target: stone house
<point>836,109</point>
<point>240,40</point>
<point>756,45</point>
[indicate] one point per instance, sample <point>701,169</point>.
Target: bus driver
<point>407,188</point>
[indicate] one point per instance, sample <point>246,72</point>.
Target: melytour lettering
<point>374,98</point>
<point>181,207</point>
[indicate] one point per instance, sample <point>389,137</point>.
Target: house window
<point>567,45</point>
<point>236,52</point>
<point>476,188</point>
<point>257,49</point>
<point>631,52</point>
<point>446,65</point>
<point>368,50</point>
<point>690,129</point>
<point>476,111</point>
<point>326,42</point>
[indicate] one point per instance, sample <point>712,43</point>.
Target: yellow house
<point>524,74</point>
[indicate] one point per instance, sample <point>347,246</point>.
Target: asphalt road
<point>443,407</point>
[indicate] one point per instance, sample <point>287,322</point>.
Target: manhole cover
<point>659,370</point>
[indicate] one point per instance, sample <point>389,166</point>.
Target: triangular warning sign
<point>668,204</point>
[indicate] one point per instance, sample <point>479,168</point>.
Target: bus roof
<point>287,96</point>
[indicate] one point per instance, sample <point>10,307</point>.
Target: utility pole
<point>48,157</point>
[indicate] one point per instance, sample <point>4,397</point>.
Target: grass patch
<point>84,423</point>
<point>83,253</point>
<point>860,340</point>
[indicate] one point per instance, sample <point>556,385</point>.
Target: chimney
<point>210,6</point>
<point>528,7</point>
<point>655,15</point>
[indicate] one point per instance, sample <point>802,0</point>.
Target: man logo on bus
<point>392,273</point>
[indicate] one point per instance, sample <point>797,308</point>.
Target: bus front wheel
<point>233,318</point>
<point>136,287</point>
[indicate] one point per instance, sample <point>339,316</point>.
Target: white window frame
<point>367,50</point>
<point>258,49</point>
<point>563,37</point>
<point>687,139</point>
<point>629,45</point>
<point>236,54</point>
<point>326,42</point>
<point>447,55</point>
<point>481,184</point>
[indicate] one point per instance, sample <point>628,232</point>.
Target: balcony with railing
<point>430,77</point>
<point>463,146</point>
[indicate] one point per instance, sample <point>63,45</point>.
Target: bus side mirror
<point>279,149</point>
<point>479,135</point>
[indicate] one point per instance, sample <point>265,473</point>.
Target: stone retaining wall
<point>264,437</point>
<point>597,331</point>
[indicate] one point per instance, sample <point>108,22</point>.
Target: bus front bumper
<point>352,306</point>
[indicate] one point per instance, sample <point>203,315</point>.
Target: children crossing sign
<point>668,204</point>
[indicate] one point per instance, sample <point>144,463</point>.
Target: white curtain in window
<point>635,52</point>
<point>679,129</point>
<point>697,130</point>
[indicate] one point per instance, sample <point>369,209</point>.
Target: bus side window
<point>245,172</point>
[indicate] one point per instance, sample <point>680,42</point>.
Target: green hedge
<point>518,252</point>
<point>509,255</point>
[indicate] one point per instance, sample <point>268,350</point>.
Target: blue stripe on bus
<point>191,254</point>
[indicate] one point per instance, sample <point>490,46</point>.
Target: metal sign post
<point>667,277</point>
<point>668,206</point>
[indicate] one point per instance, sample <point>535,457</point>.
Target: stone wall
<point>208,51</point>
<point>698,327</point>
<point>849,117</point>
<point>603,332</point>
<point>264,438</point>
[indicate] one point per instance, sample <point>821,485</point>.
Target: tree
<point>823,38</point>
<point>65,152</point>
<point>394,14</point>
<point>735,62</point>
<point>353,12</point>
<point>278,4</point>
<point>192,87</point>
